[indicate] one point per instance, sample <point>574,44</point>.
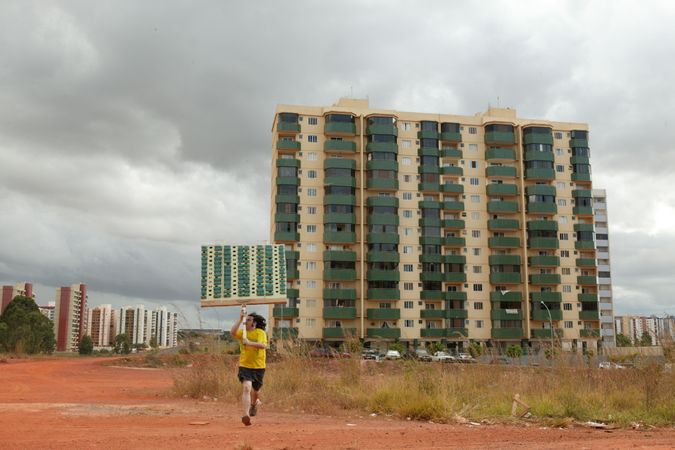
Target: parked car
<point>370,354</point>
<point>422,355</point>
<point>465,358</point>
<point>392,355</point>
<point>324,352</point>
<point>443,357</point>
<point>610,365</point>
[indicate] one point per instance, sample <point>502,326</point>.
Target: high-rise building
<point>421,227</point>
<point>141,325</point>
<point>102,325</point>
<point>164,327</point>
<point>48,310</point>
<point>70,316</point>
<point>9,292</point>
<point>606,304</point>
<point>659,328</point>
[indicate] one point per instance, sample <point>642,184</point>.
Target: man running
<point>252,356</point>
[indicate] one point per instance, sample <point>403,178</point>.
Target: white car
<point>392,354</point>
<point>610,365</point>
<point>443,357</point>
<point>465,358</point>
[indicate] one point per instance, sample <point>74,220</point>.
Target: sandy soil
<point>81,403</point>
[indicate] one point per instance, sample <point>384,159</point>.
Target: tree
<point>24,329</point>
<point>514,351</point>
<point>623,341</point>
<point>475,349</point>
<point>436,347</point>
<point>122,344</point>
<point>646,339</point>
<point>153,342</point>
<point>86,345</point>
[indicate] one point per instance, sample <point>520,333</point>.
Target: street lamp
<point>550,322</point>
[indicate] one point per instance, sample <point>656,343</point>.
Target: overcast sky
<point>132,132</point>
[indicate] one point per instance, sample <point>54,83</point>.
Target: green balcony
<point>383,275</point>
<point>454,295</point>
<point>540,189</point>
<point>507,333</point>
<point>431,295</point>
<point>432,314</point>
<point>452,188</point>
<point>430,222</point>
<point>431,258</point>
<point>339,200</point>
<point>584,245</point>
<point>586,262</point>
<point>544,333</point>
<point>282,312</point>
<point>382,238</point>
<point>451,136</point>
<point>383,256</point>
<point>453,277</point>
<point>292,274</point>
<point>383,219</point>
<point>453,224</point>
<point>454,242</point>
<point>429,204</point>
<point>544,278</point>
<point>511,296</point>
<point>384,294</point>
<point>452,170</point>
<point>428,134</point>
<point>286,198</point>
<point>500,137</point>
<point>288,162</point>
<point>542,225</point>
<point>281,217</point>
<point>339,255</point>
<point>339,333</point>
<point>544,261</point>
<point>340,181</point>
<point>581,177</point>
<point>539,156</point>
<point>383,313</point>
<point>510,260</point>
<point>543,243</point>
<point>288,127</point>
<point>503,224</point>
<point>293,181</point>
<point>428,168</point>
<point>339,237</point>
<point>580,160</point>
<point>339,294</point>
<point>284,333</point>
<point>542,208</point>
<point>452,205</point>
<point>500,172</point>
<point>451,153</point>
<point>340,128</point>
<point>336,312</point>
<point>499,189</point>
<point>503,242</point>
<point>590,332</point>
<point>433,333</point>
<point>339,218</point>
<point>496,154</point>
<point>382,129</point>
<point>286,236</point>
<point>382,183</point>
<point>542,314</point>
<point>381,165</point>
<point>546,297</point>
<point>339,146</point>
<point>456,314</point>
<point>589,315</point>
<point>431,240</point>
<point>587,193</point>
<point>427,151</point>
<point>454,259</point>
<point>538,138</point>
<point>382,201</point>
<point>583,143</point>
<point>582,210</point>
<point>587,280</point>
<point>455,333</point>
<point>505,278</point>
<point>506,314</point>
<point>587,298</point>
<point>339,274</point>
<point>509,207</point>
<point>293,292</point>
<point>383,333</point>
<point>540,174</point>
<point>429,187</point>
<point>431,276</point>
<point>288,145</point>
<point>383,147</point>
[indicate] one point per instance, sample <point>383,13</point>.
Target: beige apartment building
<point>424,227</point>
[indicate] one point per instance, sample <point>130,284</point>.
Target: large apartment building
<point>606,303</point>
<point>102,325</point>
<point>70,316</point>
<point>141,325</point>
<point>10,291</point>
<point>421,227</point>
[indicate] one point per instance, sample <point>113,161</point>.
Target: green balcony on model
<point>546,297</point>
<point>339,312</point>
<point>383,333</point>
<point>339,333</point>
<point>503,242</point>
<point>287,144</point>
<point>383,294</point>
<point>432,332</point>
<point>281,312</point>
<point>506,314</point>
<point>501,189</point>
<point>542,314</point>
<point>589,315</point>
<point>507,333</point>
<point>544,278</point>
<point>545,333</point>
<point>454,295</point>
<point>339,294</point>
<point>383,313</point>
<point>335,145</point>
<point>500,172</point>
<point>432,314</point>
<point>508,207</point>
<point>503,224</point>
<point>500,154</point>
<point>506,296</point>
<point>544,261</point>
<point>505,278</point>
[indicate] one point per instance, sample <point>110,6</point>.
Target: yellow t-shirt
<point>251,357</point>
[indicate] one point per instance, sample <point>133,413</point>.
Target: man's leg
<point>255,402</point>
<point>246,401</point>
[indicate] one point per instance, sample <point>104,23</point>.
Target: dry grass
<point>441,392</point>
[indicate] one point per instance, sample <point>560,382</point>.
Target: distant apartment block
<point>101,325</point>
<point>141,325</point>
<point>433,227</point>
<point>9,292</point>
<point>605,301</point>
<point>48,311</point>
<point>659,328</point>
<point>70,316</point>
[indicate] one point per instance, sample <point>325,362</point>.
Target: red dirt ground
<point>81,403</point>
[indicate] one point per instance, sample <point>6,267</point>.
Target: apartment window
<point>311,174</point>
<point>406,178</point>
<point>311,247</point>
<point>407,231</point>
<point>565,253</point>
<point>559,151</point>
<point>407,213</point>
<point>311,284</point>
<point>473,130</point>
<point>311,192</point>
<point>311,228</point>
<point>407,267</point>
<point>474,181</point>
<point>310,323</point>
<point>407,196</point>
<point>479,324</point>
<point>407,249</point>
<point>408,287</point>
<point>569,324</point>
<point>478,287</point>
<point>311,156</point>
<point>564,236</point>
<point>473,164</point>
<point>406,161</point>
<point>567,306</point>
<point>312,121</point>
<point>559,168</point>
<point>311,210</point>
<point>406,126</point>
<point>475,215</point>
<point>408,304</point>
<point>560,185</point>
<point>566,271</point>
<point>567,288</point>
<point>311,138</point>
<point>562,219</point>
<point>558,135</point>
<point>475,233</point>
<point>310,265</point>
<point>473,147</point>
<point>475,199</point>
<point>562,202</point>
<point>477,269</point>
<point>408,323</point>
<point>476,251</point>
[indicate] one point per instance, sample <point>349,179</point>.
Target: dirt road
<point>80,403</point>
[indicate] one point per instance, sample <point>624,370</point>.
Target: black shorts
<point>254,375</point>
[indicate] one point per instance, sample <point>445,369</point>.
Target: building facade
<point>102,325</point>
<point>70,316</point>
<point>141,325</point>
<point>11,291</point>
<point>606,303</point>
<point>48,310</point>
<point>660,329</point>
<point>422,227</point>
